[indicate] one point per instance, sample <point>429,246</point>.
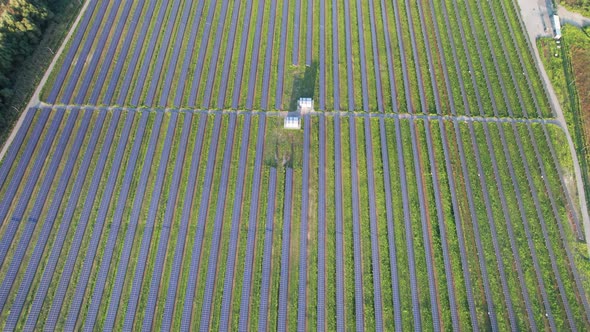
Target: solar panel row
<point>146,240</point>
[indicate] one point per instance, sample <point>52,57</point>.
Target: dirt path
<point>572,18</point>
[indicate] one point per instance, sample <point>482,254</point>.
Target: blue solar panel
<point>267,63</point>
<point>282,49</point>
<point>195,265</point>
<point>165,232</point>
<point>235,227</point>
<point>181,239</point>
<point>302,290</point>
<point>84,24</point>
<point>339,226</point>
<point>375,260</point>
<point>19,212</point>
<point>108,97</point>
<point>24,160</point>
<point>80,62</point>
<point>62,232</point>
<point>218,226</point>
<point>90,78</point>
<point>322,206</point>
<point>164,47</point>
<point>267,257</point>
<point>296,32</point>
<point>16,144</point>
<point>15,265</point>
<point>390,227</point>
<point>96,238</point>
<point>194,88</point>
<point>363,57</point>
<point>229,51</point>
<point>213,72</point>
<point>356,231</point>
<point>335,57</point>
<point>99,284</point>
<point>64,283</point>
<point>176,53</point>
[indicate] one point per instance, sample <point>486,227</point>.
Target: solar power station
<point>329,165</point>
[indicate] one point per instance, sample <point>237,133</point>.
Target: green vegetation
<point>566,66</point>
<point>581,6</point>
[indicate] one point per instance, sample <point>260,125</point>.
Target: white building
<point>305,105</point>
<point>292,122</point>
<point>557,26</point>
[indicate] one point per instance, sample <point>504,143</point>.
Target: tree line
<point>22,23</point>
